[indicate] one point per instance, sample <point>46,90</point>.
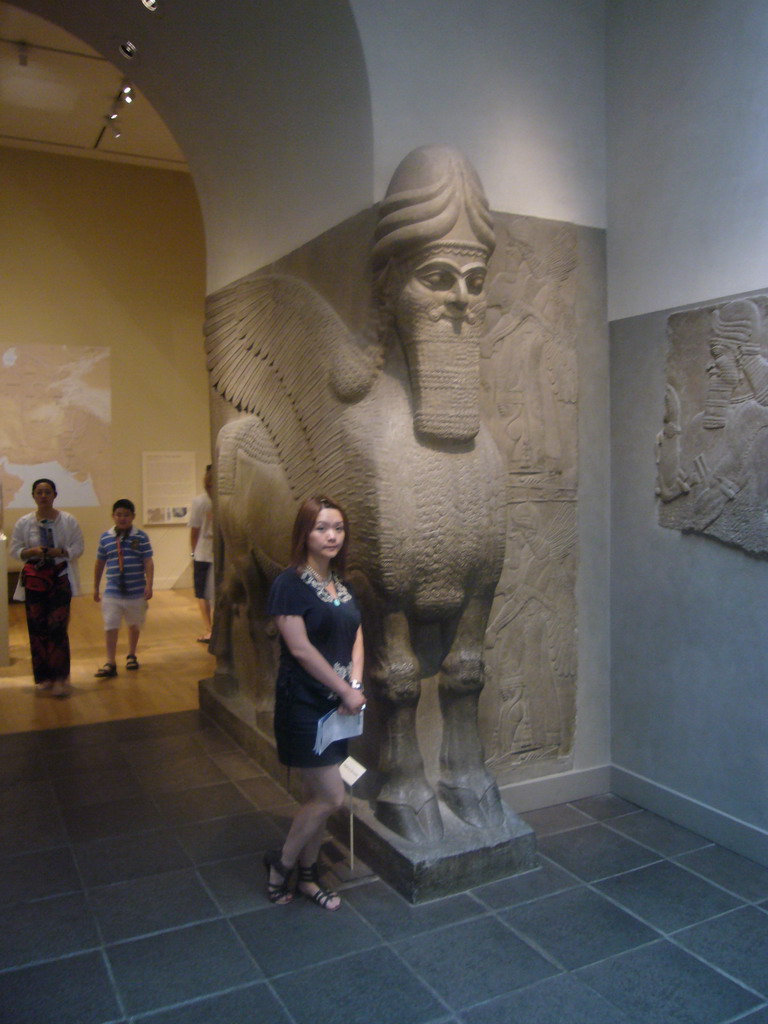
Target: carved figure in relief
<point>710,469</point>
<point>534,622</point>
<point>390,423</point>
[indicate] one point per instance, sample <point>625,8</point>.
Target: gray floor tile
<point>595,852</point>
<point>32,876</point>
<point>156,903</point>
<point>116,818</point>
<point>559,818</point>
<point>87,758</point>
<point>662,836</point>
<point>604,806</point>
<point>72,991</point>
<point>661,984</point>
<point>235,836</point>
<point>760,1017</point>
<point>530,885</point>
<point>357,992</point>
<point>394,918</point>
<point>738,874</point>
<point>46,929</point>
<point>288,938</point>
<point>578,927</point>
<point>202,803</point>
<point>254,1004</point>
<point>121,858</point>
<point>36,827</point>
<point>558,1000</point>
<point>162,970</point>
<point>88,788</point>
<point>668,896</point>
<point>736,943</point>
<point>473,961</point>
<point>263,792</point>
<point>180,773</point>
<point>237,765</point>
<point>237,884</point>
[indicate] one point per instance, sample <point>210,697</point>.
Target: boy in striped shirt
<point>126,553</point>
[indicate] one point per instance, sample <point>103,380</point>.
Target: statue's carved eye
<point>438,280</point>
<point>475,283</point>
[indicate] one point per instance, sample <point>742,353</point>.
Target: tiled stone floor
<point>131,890</point>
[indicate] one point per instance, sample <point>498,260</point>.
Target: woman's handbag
<point>40,576</point>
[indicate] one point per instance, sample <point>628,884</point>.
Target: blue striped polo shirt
<point>136,548</point>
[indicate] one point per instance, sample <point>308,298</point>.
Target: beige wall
<point>113,255</point>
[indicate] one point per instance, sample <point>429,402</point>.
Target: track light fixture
<point>151,5</point>
<point>125,95</point>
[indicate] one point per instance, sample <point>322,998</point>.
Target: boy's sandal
<point>277,892</point>
<point>322,897</point>
<point>131,663</point>
<point>107,671</point>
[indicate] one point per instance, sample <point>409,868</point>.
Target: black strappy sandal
<point>322,897</point>
<point>277,892</point>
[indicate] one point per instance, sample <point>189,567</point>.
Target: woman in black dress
<point>321,667</point>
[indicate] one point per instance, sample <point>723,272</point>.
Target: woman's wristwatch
<point>355,684</point>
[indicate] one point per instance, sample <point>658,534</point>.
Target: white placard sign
<point>169,482</point>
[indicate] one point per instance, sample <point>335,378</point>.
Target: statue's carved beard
<point>443,356</point>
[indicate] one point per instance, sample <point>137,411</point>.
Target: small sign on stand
<point>351,771</point>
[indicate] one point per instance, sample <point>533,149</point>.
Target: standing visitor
<point>201,537</point>
<point>126,554</point>
<point>49,542</point>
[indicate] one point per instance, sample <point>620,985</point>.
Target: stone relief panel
<point>712,447</point>
<point>529,397</point>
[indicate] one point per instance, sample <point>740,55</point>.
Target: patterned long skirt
<point>47,624</point>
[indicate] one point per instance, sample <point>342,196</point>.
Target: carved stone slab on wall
<point>712,448</point>
<point>529,398</point>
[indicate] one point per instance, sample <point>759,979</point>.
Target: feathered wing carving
<point>278,350</point>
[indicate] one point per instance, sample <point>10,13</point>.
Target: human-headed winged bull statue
<point>388,424</point>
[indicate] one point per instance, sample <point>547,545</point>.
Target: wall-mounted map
<point>55,421</point>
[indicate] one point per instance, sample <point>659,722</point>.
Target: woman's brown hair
<point>303,525</point>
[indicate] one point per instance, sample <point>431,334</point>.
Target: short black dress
<point>300,699</point>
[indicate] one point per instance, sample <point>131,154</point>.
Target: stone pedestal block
<point>464,858</point>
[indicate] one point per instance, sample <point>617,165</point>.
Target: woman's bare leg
<point>323,794</point>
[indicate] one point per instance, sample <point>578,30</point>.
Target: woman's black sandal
<point>322,897</point>
<point>277,892</point>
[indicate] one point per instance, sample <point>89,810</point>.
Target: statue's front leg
<point>465,784</point>
<point>406,802</point>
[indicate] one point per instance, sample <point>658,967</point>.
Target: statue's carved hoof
<point>417,826</point>
<point>481,812</point>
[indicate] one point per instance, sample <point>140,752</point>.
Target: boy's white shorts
<point>114,609</point>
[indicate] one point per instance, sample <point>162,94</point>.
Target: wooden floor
<point>171,660</point>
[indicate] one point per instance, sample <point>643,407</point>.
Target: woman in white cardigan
<point>49,542</point>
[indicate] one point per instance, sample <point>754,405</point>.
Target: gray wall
<point>688,656</point>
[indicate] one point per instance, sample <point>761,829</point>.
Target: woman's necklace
<point>323,582</point>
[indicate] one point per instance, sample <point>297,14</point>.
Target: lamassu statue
<point>389,424</point>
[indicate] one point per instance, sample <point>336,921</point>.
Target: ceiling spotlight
<point>151,5</point>
<point>126,91</point>
<point>112,115</point>
<point>116,131</point>
<point>128,50</point>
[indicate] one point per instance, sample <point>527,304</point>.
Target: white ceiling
<point>56,93</point>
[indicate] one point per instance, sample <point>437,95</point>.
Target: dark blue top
<point>331,626</point>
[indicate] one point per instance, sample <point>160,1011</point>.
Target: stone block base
<point>464,858</point>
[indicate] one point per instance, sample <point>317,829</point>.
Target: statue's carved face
<point>439,311</point>
<point>443,292</point>
<point>725,363</point>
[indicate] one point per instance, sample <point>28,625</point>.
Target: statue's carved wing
<point>277,349</point>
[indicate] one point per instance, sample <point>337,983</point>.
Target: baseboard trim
<point>557,789</point>
<point>706,821</point>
